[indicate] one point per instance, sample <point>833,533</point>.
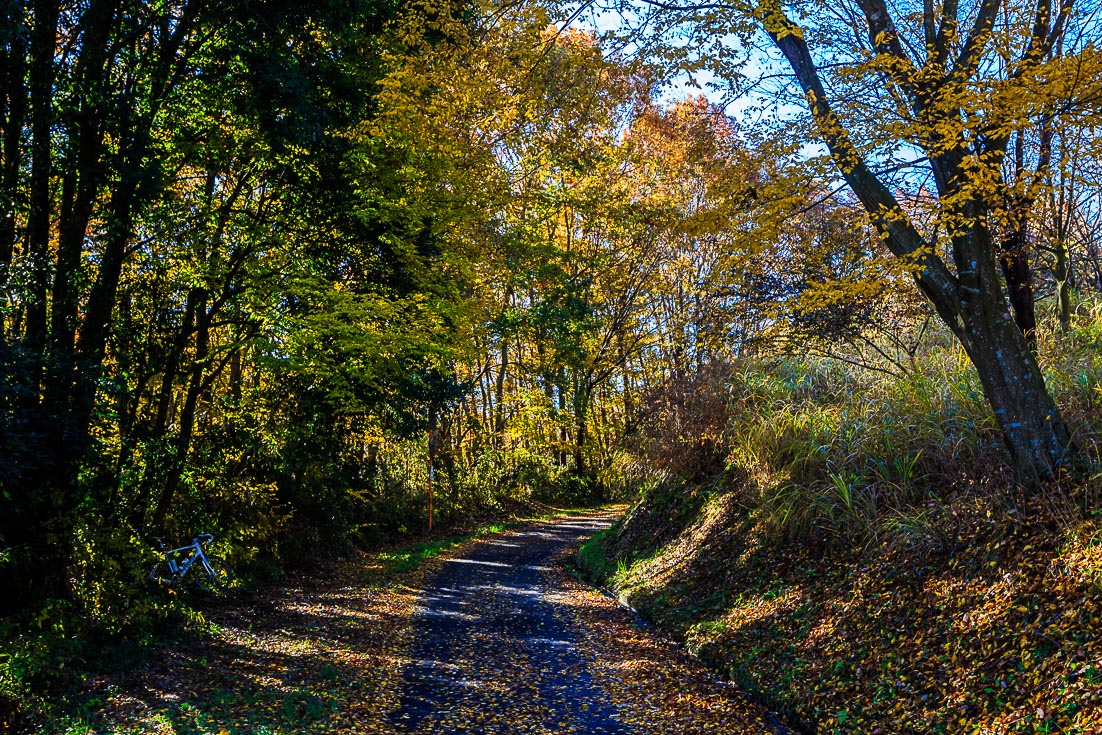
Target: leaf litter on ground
<point>326,654</point>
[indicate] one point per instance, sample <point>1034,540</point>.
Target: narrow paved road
<point>496,638</point>
<point>499,646</point>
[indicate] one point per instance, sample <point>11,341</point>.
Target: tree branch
<point>885,40</point>
<point>946,31</point>
<point>969,57</point>
<point>901,237</point>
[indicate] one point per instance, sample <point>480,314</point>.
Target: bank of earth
<point>991,626</point>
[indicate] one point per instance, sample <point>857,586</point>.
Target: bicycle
<point>213,574</point>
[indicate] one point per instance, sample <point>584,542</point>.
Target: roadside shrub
<point>682,431</point>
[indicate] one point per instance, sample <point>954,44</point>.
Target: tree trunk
<point>499,396</point>
<point>153,473</point>
<point>235,360</point>
<point>187,414</point>
<point>1062,272</point>
<point>971,301</point>
<point>13,111</point>
<point>560,409</point>
<point>42,74</point>
<point>1014,260</point>
<point>1014,254</point>
<point>1034,432</point>
<point>629,403</point>
<point>83,175</point>
<point>581,427</point>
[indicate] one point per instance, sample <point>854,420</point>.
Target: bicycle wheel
<point>213,575</point>
<point>161,574</point>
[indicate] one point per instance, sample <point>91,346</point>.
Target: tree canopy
<point>263,265</point>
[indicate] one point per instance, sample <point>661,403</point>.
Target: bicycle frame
<point>214,574</point>
<point>179,569</point>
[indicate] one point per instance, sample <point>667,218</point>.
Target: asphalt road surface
<point>499,647</point>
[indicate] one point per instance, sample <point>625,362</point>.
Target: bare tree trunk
<point>560,409</point>
<point>1034,432</point>
<point>1014,251</point>
<point>1014,260</point>
<point>1062,272</point>
<point>1060,236</point>
<point>582,397</point>
<point>153,473</point>
<point>42,75</point>
<point>83,176</point>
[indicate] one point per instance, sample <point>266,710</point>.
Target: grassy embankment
<point>862,564</point>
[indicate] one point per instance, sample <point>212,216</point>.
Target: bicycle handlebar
<point>205,538</point>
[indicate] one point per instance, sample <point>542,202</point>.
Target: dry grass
<point>863,559</point>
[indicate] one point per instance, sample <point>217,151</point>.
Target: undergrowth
<point>860,555</point>
<point>54,650</point>
<point>834,454</point>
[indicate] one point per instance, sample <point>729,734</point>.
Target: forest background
<point>262,265</point>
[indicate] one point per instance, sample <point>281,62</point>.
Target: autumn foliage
<point>316,277</point>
